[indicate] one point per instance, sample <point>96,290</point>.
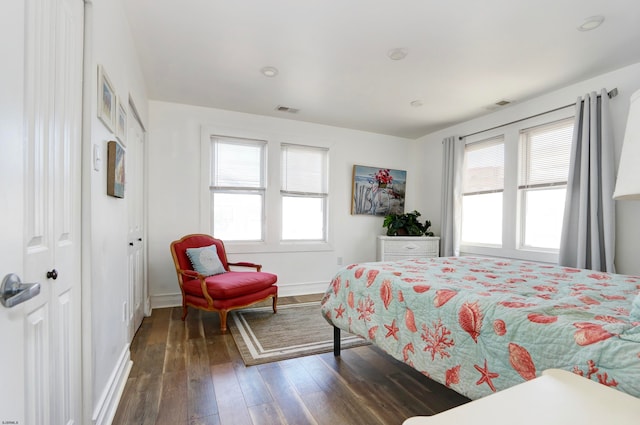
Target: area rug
<point>296,330</point>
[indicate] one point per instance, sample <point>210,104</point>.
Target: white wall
<point>175,193</point>
<point>108,42</point>
<point>627,80</point>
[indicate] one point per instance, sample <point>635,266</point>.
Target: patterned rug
<point>296,330</point>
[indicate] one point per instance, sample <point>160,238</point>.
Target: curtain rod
<point>613,93</point>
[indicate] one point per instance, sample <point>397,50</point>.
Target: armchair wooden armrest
<point>258,267</point>
<point>203,285</point>
<point>191,273</point>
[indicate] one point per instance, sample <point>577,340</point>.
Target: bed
<point>480,325</point>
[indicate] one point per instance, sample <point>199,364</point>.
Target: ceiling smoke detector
<point>281,108</point>
<point>503,103</point>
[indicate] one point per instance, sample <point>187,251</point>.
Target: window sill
<point>516,254</point>
<point>279,248</point>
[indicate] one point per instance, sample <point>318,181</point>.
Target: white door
<point>135,204</point>
<point>40,111</point>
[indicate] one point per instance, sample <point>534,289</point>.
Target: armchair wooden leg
<point>275,304</point>
<point>223,321</point>
<point>184,312</point>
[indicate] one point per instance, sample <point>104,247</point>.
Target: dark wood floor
<point>190,373</point>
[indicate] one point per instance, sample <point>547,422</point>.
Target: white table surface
<point>557,397</point>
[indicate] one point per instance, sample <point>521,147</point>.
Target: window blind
<point>484,167</point>
<point>544,155</point>
<point>237,163</point>
<point>304,170</point>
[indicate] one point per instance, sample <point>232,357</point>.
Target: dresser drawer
<point>396,257</point>
<point>409,247</point>
<point>402,247</point>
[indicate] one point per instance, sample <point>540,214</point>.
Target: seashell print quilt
<point>480,325</point>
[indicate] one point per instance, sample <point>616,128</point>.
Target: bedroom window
<point>237,186</point>
<point>482,197</point>
<point>542,183</point>
<point>304,192</point>
<point>513,188</point>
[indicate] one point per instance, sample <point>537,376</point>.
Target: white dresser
<point>402,247</point>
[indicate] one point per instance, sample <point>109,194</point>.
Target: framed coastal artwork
<point>377,190</point>
<point>115,170</point>
<point>121,122</point>
<point>106,100</point>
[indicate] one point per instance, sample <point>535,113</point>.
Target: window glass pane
<point>237,164</point>
<point>304,169</point>
<point>302,218</point>
<point>544,211</point>
<point>484,166</point>
<point>482,219</point>
<point>237,216</point>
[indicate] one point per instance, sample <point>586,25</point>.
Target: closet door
<point>135,205</point>
<point>43,160</point>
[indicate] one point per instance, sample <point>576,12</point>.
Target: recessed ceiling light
<point>416,103</point>
<point>591,23</point>
<point>269,71</point>
<point>397,54</point>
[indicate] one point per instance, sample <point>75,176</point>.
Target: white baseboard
<point>166,300</point>
<point>293,289</point>
<point>147,307</point>
<point>106,408</point>
<point>284,290</point>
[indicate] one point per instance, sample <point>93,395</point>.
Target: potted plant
<point>406,224</point>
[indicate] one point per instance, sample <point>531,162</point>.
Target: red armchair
<point>221,292</point>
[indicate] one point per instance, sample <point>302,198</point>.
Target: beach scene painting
<point>115,170</point>
<point>378,191</point>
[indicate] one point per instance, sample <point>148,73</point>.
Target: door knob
<point>14,292</point>
<point>53,274</point>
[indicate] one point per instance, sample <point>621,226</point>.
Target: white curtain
<point>588,231</point>
<point>450,212</point>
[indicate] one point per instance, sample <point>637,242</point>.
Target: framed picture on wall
<point>377,190</point>
<point>121,122</point>
<point>115,169</point>
<point>106,100</point>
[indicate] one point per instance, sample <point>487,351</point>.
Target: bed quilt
<point>480,325</point>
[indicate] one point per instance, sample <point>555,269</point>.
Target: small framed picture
<point>121,122</point>
<point>115,170</point>
<point>106,100</point>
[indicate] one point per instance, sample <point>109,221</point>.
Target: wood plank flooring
<point>190,373</point>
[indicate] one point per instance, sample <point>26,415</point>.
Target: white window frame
<point>260,190</point>
<point>523,189</point>
<point>324,195</point>
<point>490,141</point>
<point>510,214</point>
<point>272,210</point>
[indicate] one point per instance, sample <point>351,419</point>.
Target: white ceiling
<point>463,55</point>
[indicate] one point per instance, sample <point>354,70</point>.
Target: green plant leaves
<point>406,223</point>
